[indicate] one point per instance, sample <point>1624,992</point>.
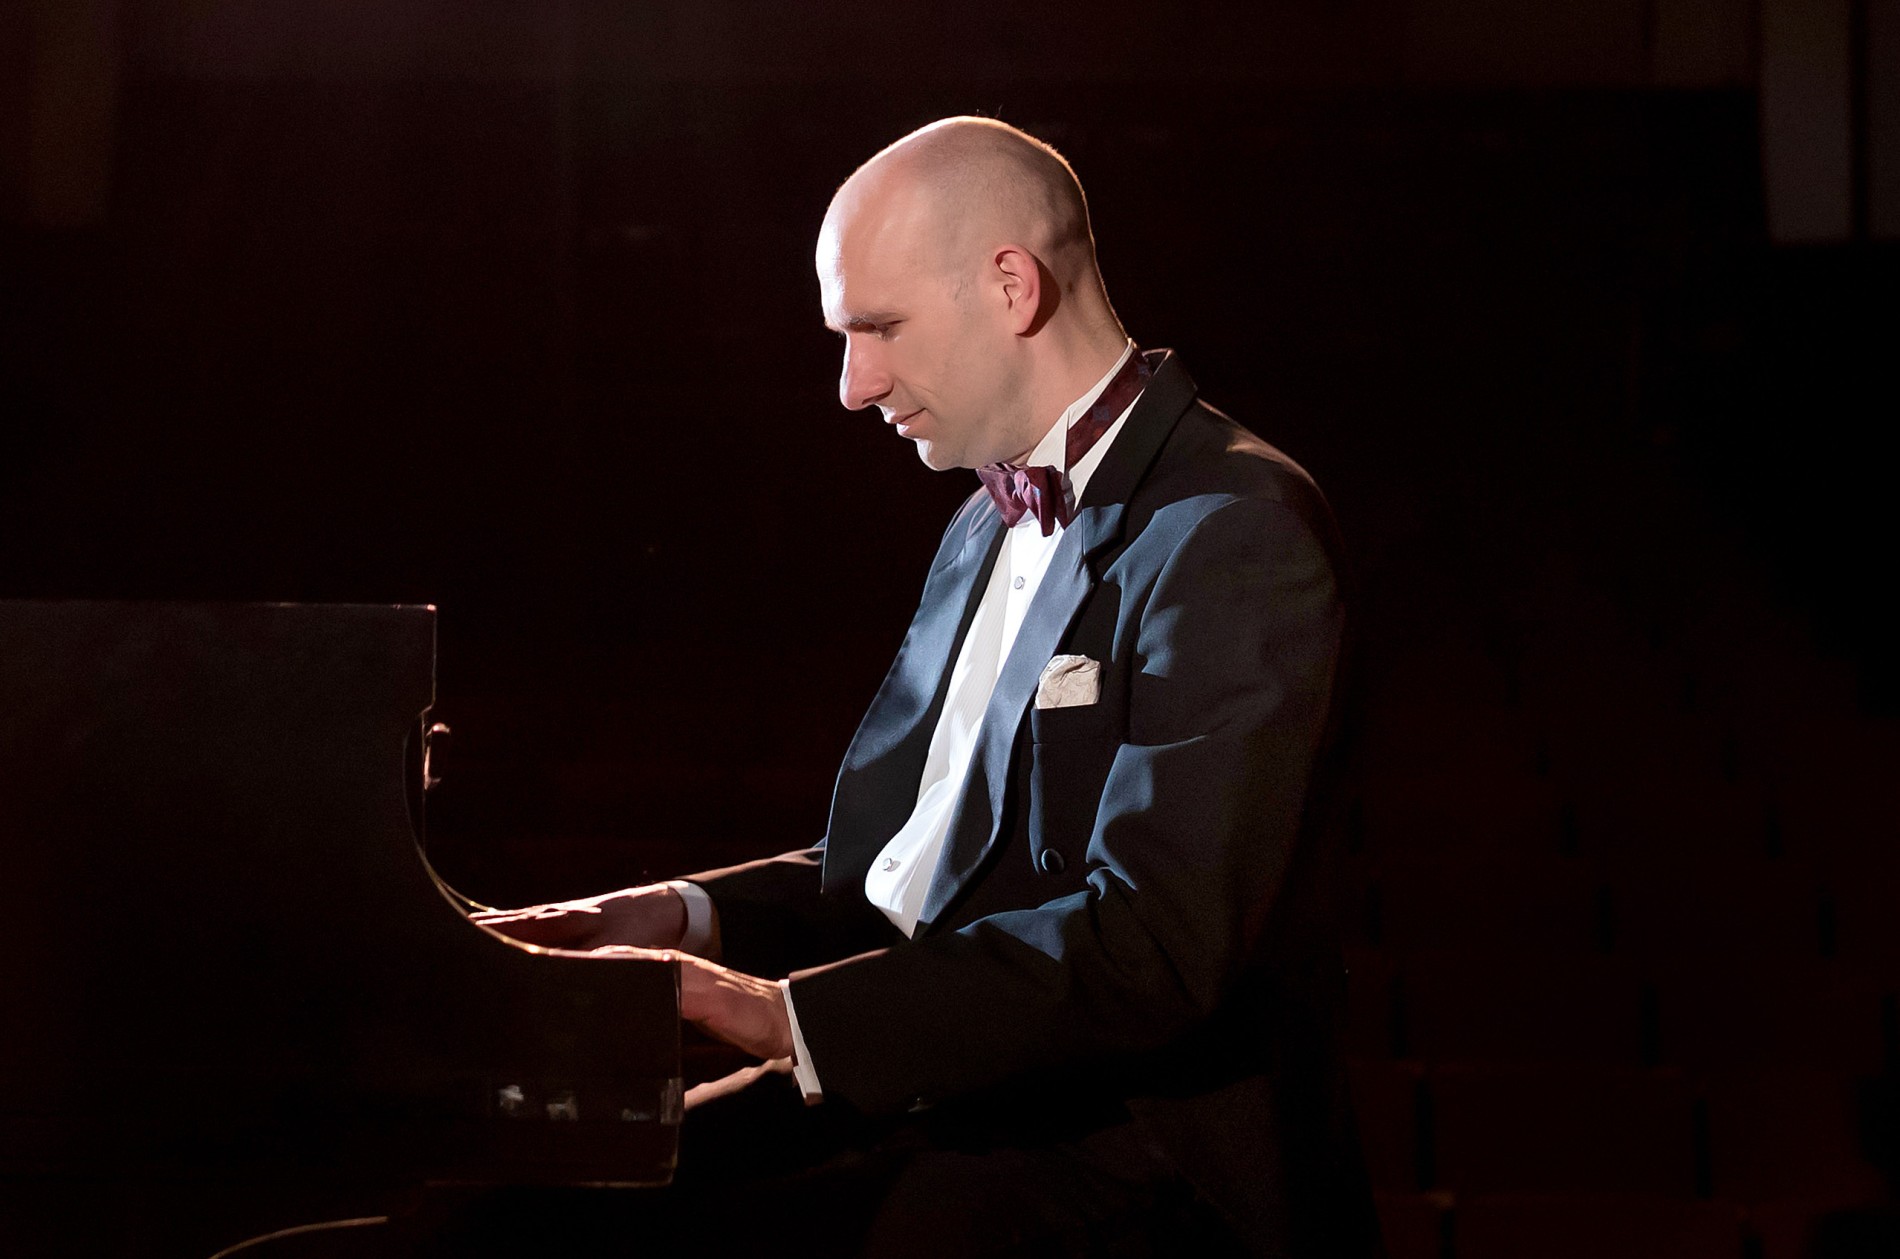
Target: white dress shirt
<point>900,875</point>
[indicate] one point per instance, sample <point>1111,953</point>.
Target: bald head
<point>950,193</point>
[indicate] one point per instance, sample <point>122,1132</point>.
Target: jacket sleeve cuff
<point>802,1070</point>
<point>702,920</point>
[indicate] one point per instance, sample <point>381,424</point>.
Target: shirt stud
<point>890,864</point>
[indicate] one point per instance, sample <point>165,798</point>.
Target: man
<point>1069,908</point>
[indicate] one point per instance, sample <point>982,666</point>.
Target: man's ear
<point>1021,283</point>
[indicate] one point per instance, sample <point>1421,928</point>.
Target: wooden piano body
<point>235,996</point>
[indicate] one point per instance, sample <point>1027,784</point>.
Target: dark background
<point>1582,315</point>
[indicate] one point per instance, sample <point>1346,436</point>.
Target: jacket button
<point>1052,862</point>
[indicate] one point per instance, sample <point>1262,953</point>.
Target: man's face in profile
<point>917,342</point>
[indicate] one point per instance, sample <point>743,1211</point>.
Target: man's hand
<point>650,917</point>
<point>742,1010</point>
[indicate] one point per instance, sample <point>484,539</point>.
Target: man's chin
<point>936,457</point>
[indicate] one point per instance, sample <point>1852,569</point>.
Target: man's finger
<point>727,1085</point>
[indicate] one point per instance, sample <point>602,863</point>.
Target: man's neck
<point>1075,369</point>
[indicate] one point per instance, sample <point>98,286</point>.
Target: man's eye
<point>883,331</point>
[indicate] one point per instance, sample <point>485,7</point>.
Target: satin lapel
<point>877,784</point>
<point>1098,523</point>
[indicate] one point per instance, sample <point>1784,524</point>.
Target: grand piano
<point>234,996</point>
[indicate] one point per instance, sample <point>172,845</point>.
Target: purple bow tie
<point>1042,490</point>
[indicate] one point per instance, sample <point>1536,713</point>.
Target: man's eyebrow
<point>860,322</point>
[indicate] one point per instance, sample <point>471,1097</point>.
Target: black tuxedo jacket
<point>1130,914</point>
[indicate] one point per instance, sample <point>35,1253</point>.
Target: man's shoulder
<point>1210,460</point>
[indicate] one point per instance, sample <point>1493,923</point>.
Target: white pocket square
<point>1069,682</point>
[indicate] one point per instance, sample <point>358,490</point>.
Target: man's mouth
<point>902,422</point>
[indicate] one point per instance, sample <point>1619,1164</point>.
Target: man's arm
<point>649,917</point>
<point>776,918</point>
<point>768,916</point>
<point>783,922</point>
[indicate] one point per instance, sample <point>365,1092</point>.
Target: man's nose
<point>863,381</point>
